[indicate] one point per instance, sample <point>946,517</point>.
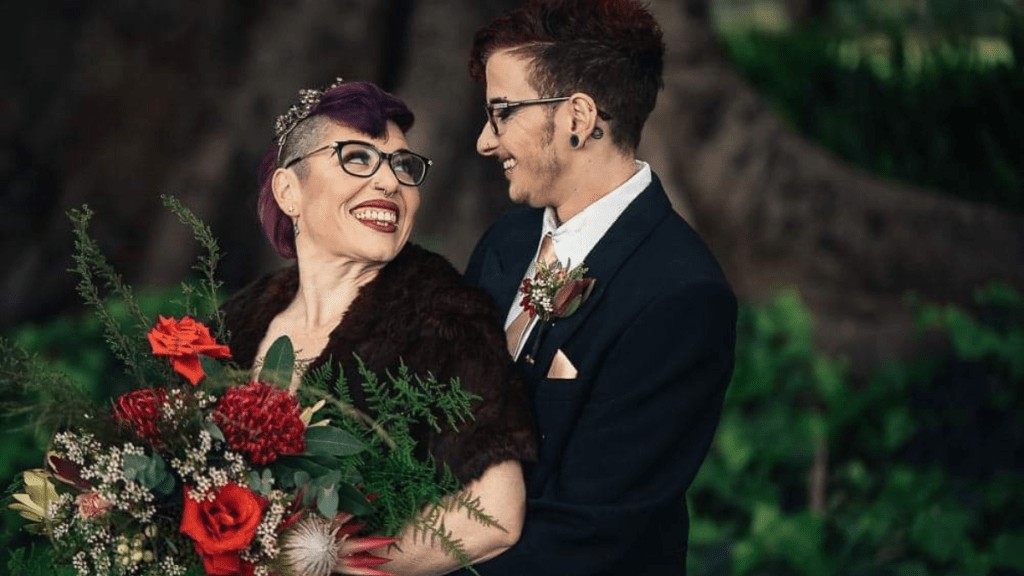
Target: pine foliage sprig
<point>48,399</point>
<point>208,290</point>
<point>92,267</point>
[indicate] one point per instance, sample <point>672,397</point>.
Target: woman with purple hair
<point>339,193</point>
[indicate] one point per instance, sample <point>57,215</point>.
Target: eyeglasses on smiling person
<point>362,159</point>
<point>500,110</point>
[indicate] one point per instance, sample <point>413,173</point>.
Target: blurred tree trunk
<point>781,211</point>
<point>806,11</point>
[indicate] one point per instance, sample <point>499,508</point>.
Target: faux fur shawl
<point>420,310</point>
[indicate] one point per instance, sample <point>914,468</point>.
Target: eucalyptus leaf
<point>215,432</point>
<point>279,363</point>
<point>305,464</point>
<point>332,441</point>
<point>327,501</point>
<point>133,465</point>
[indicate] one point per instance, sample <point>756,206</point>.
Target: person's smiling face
<point>349,217</point>
<point>526,144</point>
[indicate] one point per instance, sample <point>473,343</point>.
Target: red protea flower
<point>140,411</point>
<point>261,421</point>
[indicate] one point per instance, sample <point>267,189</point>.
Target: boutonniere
<point>555,291</point>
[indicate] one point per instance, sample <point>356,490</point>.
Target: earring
<point>574,141</point>
<point>597,134</point>
<point>291,209</point>
<point>295,226</point>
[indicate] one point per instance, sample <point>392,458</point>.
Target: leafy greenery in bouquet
<point>200,468</point>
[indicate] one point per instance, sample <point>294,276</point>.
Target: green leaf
<point>353,501</point>
<point>331,441</point>
<point>940,532</point>
<point>327,501</point>
<point>279,363</point>
<point>150,471</point>
<point>215,432</point>
<point>212,368</point>
<point>1008,551</point>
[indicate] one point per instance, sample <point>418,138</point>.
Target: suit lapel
<point>506,263</point>
<point>623,238</point>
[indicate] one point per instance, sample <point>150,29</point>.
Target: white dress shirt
<point>574,239</point>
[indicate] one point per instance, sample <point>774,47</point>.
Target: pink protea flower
<point>316,546</point>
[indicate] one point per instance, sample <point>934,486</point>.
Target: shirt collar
<point>575,238</point>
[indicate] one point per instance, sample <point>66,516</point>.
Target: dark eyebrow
<point>498,100</point>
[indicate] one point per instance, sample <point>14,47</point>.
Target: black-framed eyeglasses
<point>363,159</point>
<point>502,109</point>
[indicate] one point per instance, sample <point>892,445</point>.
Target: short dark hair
<point>610,49</point>
<point>361,106</point>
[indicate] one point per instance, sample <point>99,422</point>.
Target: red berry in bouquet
<point>139,410</point>
<point>261,421</point>
<point>183,341</point>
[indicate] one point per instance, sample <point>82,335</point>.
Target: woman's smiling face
<point>349,217</point>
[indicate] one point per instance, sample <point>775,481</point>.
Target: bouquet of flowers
<point>202,468</point>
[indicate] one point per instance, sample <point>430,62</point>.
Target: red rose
<point>569,297</point>
<point>183,341</point>
<point>261,421</point>
<point>140,410</point>
<point>223,528</point>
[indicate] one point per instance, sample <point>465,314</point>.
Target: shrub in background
<point>915,472</point>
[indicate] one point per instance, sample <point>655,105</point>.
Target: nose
<point>487,142</point>
<point>385,180</point>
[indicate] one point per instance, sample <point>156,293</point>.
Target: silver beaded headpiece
<point>308,99</point>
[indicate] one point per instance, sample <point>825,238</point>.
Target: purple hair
<point>361,106</point>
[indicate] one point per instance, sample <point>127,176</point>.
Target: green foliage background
<point>926,92</point>
<point>921,463</point>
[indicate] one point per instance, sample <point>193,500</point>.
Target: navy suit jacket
<point>621,442</point>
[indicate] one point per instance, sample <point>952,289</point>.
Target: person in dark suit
<point>628,387</point>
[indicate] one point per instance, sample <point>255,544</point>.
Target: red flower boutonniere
<point>183,341</point>
<point>556,291</point>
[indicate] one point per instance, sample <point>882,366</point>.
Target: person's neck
<point>327,286</point>
<point>592,175</point>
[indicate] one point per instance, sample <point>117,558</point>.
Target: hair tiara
<point>308,99</point>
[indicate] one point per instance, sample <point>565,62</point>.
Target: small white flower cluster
<point>181,405</point>
<point>62,511</point>
<point>104,468</point>
<point>265,544</point>
<point>76,447</point>
<point>170,567</point>
<point>201,476</point>
<point>97,557</point>
<point>540,295</point>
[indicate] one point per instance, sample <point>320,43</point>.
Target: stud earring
<point>597,134</point>
<point>574,141</point>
